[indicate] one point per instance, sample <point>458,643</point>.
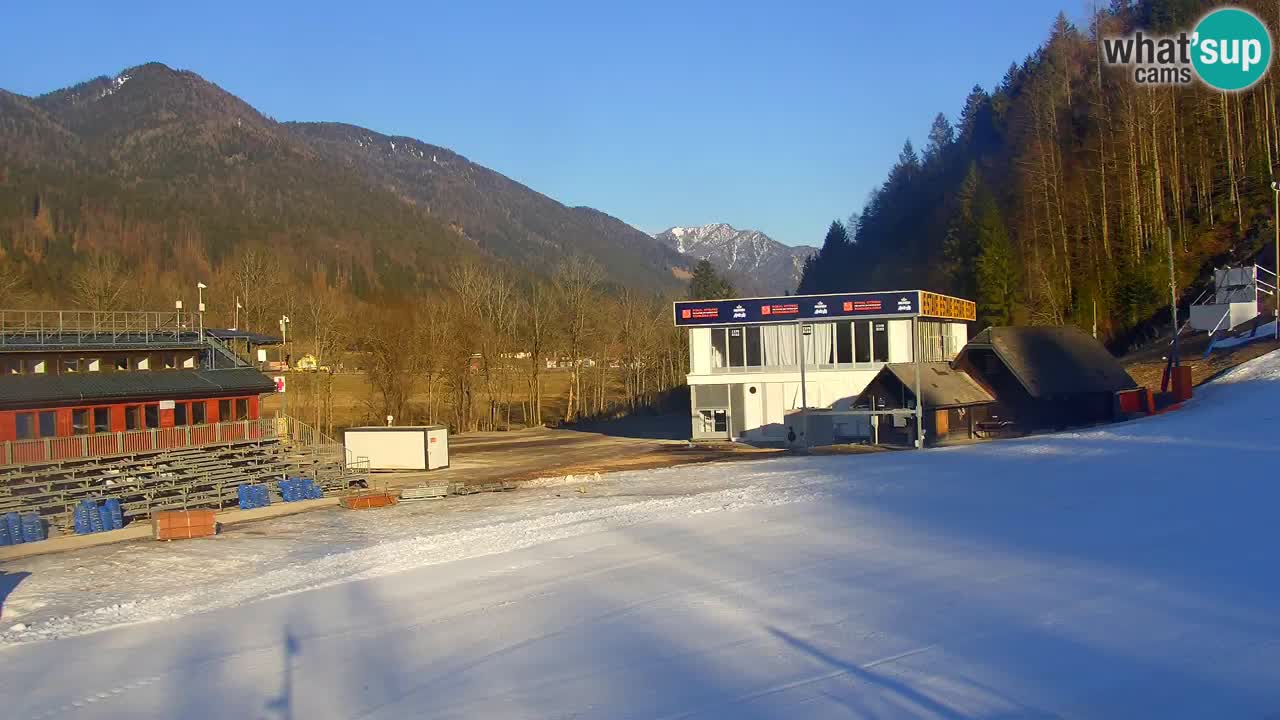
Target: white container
<point>419,447</point>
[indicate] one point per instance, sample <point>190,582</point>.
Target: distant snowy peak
<point>755,261</point>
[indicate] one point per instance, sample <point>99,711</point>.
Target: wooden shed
<point>953,403</point>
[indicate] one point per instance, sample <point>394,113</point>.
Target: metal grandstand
<point>150,470</point>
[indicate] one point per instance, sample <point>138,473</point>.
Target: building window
<point>224,411</point>
<point>80,421</point>
<point>755,356</point>
<point>880,341</point>
<point>737,356</point>
<point>25,424</point>
<point>151,414</point>
<point>242,408</point>
<point>38,366</point>
<point>197,412</point>
<point>69,365</point>
<point>93,365</point>
<point>171,361</point>
<point>180,414</point>
<point>48,423</point>
<point>122,362</point>
<point>714,421</point>
<point>862,341</point>
<point>935,341</point>
<point>133,417</point>
<point>12,366</point>
<point>844,342</point>
<point>101,420</point>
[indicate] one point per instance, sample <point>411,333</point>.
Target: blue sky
<point>778,117</point>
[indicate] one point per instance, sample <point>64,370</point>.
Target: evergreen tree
<point>996,271</point>
<point>941,136</point>
<point>960,248</point>
<point>707,284</point>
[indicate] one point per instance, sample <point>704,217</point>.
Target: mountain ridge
<point>754,261</point>
<point>173,172</point>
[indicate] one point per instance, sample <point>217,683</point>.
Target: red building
<point>78,384</point>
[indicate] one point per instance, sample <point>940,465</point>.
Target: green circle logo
<point>1232,49</point>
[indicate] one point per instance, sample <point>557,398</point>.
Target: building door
<point>711,412</point>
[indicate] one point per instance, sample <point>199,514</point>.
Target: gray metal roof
<point>941,385</point>
<point>1054,360</point>
<point>32,390</point>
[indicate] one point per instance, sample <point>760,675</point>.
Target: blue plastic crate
<point>95,518</point>
<point>117,513</point>
<point>105,518</point>
<point>32,528</point>
<point>14,525</point>
<point>4,534</point>
<point>80,517</point>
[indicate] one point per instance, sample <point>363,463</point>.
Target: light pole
<point>1275,190</point>
<point>200,288</point>
<point>284,339</point>
<point>239,307</point>
<point>806,329</point>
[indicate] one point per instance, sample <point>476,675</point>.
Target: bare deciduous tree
<point>576,281</point>
<point>100,283</point>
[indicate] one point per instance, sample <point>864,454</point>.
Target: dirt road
<point>478,458</point>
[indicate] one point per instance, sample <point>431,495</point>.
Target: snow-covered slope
<point>1123,571</point>
<point>755,261</point>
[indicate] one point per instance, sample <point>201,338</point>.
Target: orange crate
<point>368,501</point>
<point>183,524</point>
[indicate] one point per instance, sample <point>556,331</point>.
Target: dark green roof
<point>34,390</point>
<point>1054,360</point>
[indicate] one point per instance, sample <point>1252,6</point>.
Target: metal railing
<point>296,431</point>
<point>82,447</point>
<point>81,327</point>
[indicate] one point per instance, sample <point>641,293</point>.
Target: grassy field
<point>356,403</point>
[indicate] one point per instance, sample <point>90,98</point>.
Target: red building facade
<point>85,387</point>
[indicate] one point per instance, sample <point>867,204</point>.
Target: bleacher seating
<point>187,478</point>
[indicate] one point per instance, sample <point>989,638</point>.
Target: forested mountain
<point>499,215</point>
<point>756,263</point>
<point>1056,193</point>
<point>173,178</point>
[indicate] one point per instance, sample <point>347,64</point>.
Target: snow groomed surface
<point>1126,571</point>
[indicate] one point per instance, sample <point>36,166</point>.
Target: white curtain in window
<point>779,343</point>
<point>820,347</point>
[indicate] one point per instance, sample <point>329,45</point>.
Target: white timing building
<point>747,355</point>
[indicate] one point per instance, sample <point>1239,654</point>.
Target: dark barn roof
<point>33,390</point>
<point>941,385</point>
<point>1054,360</point>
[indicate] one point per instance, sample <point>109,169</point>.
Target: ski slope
<point>1127,571</point>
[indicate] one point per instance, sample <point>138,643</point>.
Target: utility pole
<point>915,357</point>
<point>284,340</point>
<point>1173,300</point>
<point>805,330</point>
<point>200,306</point>
<point>1275,190</point>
